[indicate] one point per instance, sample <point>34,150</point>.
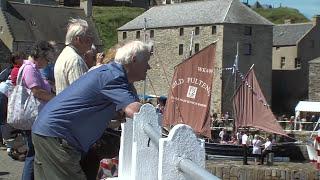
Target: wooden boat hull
<point>294,151</point>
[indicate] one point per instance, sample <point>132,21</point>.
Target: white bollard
<point>144,152</point>
<point>181,143</point>
<point>125,152</point>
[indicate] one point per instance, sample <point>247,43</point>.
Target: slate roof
<point>315,61</point>
<point>289,34</point>
<point>32,22</point>
<point>197,13</point>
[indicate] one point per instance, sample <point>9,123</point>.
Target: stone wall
<point>290,55</point>
<point>239,172</point>
<point>314,80</point>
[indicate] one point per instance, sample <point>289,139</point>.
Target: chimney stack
<point>316,20</point>
<point>87,6</point>
<point>287,21</point>
<point>3,4</point>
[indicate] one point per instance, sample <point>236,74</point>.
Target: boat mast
<point>234,71</point>
<point>144,40</point>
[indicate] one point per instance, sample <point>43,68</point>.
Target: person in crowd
<point>256,143</point>
<point>244,143</point>
<point>238,134</point>
<point>17,60</point>
<point>5,88</point>
<point>90,56</point>
<point>267,149</point>
<point>221,134</point>
<point>63,131</point>
<point>70,65</point>
<point>161,103</point>
<point>41,54</point>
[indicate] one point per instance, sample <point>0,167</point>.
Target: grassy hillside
<point>108,19</point>
<point>278,15</point>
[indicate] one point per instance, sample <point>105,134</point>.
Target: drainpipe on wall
<point>87,6</point>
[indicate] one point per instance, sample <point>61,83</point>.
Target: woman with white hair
<point>256,148</point>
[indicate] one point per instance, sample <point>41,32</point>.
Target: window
<point>247,49</point>
<point>248,30</point>
<point>180,49</point>
<point>282,62</point>
<point>151,51</point>
<point>151,33</point>
<point>181,32</point>
<point>168,1</point>
<point>196,47</point>
<point>137,34</point>
<point>197,31</point>
<point>124,35</point>
<point>214,30</point>
<point>297,63</point>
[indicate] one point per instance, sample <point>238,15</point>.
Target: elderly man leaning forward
<point>70,64</point>
<point>63,131</point>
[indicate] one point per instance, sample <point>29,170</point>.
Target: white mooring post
<point>181,143</point>
<point>138,157</point>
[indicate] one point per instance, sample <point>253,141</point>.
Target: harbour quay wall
<point>229,171</point>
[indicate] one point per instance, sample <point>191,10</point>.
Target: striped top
<point>68,68</point>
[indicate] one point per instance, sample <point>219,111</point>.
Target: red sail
<point>190,92</point>
<point>251,109</point>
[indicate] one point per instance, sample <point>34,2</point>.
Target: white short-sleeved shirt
<point>268,145</point>
<point>68,68</point>
<point>244,139</point>
<point>256,146</point>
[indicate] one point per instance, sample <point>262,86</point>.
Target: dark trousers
<point>264,154</point>
<point>28,172</point>
<point>245,154</point>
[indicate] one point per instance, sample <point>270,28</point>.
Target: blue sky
<point>309,8</point>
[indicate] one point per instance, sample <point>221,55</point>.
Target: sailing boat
<point>189,99</point>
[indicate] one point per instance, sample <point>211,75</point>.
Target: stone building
<point>23,24</point>
<point>314,80</point>
<point>294,45</point>
<point>228,22</point>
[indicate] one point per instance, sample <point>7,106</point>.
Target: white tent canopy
<point>308,106</point>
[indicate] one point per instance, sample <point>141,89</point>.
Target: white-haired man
<point>63,132</point>
<point>70,64</point>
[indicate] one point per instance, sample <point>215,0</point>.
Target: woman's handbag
<point>23,107</point>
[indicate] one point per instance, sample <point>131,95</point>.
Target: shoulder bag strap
<point>20,73</point>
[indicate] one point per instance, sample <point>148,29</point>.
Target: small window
<point>197,31</point>
<point>137,34</point>
<point>124,35</point>
<point>181,31</point>
<point>297,63</point>
<point>180,49</point>
<point>214,30</point>
<point>151,50</point>
<point>168,1</point>
<point>247,49</point>
<point>282,62</point>
<point>248,30</point>
<point>151,33</point>
<point>196,47</point>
